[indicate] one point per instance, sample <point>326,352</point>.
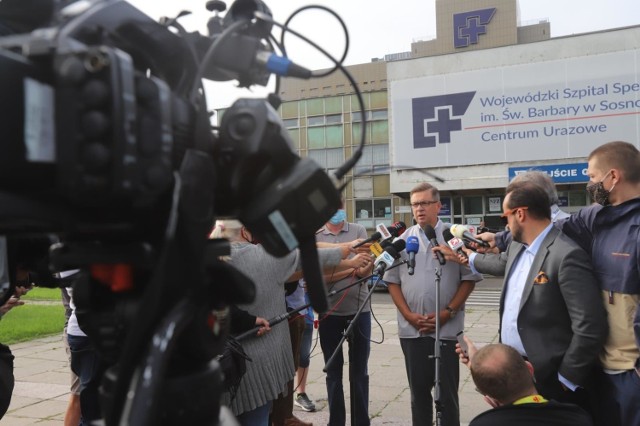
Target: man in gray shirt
<point>414,296</point>
<point>343,307</point>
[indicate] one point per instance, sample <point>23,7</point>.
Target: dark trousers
<point>619,396</point>
<point>282,407</point>
<point>331,329</point>
<point>421,369</point>
<point>6,378</point>
<point>86,364</point>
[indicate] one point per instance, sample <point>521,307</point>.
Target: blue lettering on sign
<point>435,117</point>
<point>468,26</point>
<point>445,210</point>
<point>560,173</point>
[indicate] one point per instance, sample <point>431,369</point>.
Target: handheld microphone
<point>455,243</point>
<point>388,256</point>
<point>413,245</point>
<point>431,235</point>
<point>461,231</point>
<point>384,233</point>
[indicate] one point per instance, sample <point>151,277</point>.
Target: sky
<point>379,27</point>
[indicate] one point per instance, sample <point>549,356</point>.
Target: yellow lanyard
<point>531,399</point>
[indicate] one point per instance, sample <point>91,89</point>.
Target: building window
<point>380,114</point>
<point>290,122</point>
<point>473,205</point>
<point>374,160</point>
<point>327,158</point>
<point>317,120</point>
<point>334,119</point>
<point>325,137</point>
<point>369,213</point>
<point>333,136</point>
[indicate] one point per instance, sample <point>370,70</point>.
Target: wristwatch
<point>452,312</point>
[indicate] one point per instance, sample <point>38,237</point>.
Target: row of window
<point>329,119</point>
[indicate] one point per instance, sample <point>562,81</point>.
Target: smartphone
<point>463,344</point>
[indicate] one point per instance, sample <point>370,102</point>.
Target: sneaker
<point>303,401</point>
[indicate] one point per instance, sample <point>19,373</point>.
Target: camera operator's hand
<point>21,291</point>
<point>11,303</point>
<point>264,326</point>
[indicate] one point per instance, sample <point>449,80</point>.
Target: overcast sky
<point>379,27</point>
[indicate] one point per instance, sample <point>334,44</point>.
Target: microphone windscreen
<point>447,235</point>
<point>458,230</point>
<point>398,228</point>
<point>399,245</point>
<point>430,232</point>
<point>413,245</point>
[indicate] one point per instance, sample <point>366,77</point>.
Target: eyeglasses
<point>423,203</point>
<point>509,212</point>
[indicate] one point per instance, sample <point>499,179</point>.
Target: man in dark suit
<point>550,308</point>
<point>506,381</point>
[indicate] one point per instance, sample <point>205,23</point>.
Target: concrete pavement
<point>42,375</point>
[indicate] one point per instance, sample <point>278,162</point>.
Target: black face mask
<point>598,193</point>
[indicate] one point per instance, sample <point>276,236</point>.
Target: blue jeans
<point>86,364</point>
<point>256,417</point>
<point>619,396</point>
<point>331,330</point>
<point>305,345</point>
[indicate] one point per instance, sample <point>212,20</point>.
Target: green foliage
<point>31,321</point>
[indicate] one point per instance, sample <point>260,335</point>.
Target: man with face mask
<point>550,310</point>
<point>610,232</point>
<point>333,324</point>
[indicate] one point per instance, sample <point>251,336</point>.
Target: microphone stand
<point>287,315</point>
<point>436,352</point>
<point>348,333</point>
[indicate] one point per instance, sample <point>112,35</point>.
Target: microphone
<point>413,245</point>
<point>384,233</point>
<point>388,256</point>
<point>455,243</point>
<point>461,231</point>
<point>431,235</point>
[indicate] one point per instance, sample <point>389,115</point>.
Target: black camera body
<point>107,145</point>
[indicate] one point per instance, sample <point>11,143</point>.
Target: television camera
<point>109,165</point>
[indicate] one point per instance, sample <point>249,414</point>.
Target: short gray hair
<point>541,179</point>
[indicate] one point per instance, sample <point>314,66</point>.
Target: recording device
<point>384,233</point>
<point>388,256</point>
<point>463,345</point>
<point>461,231</point>
<point>413,245</point>
<point>107,145</point>
<point>431,236</point>
<point>454,243</point>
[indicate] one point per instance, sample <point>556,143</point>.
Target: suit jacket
<point>491,263</point>
<point>561,321</point>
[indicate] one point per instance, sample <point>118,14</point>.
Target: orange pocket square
<point>541,278</point>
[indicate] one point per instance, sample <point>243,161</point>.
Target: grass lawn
<point>33,320</point>
<point>41,293</point>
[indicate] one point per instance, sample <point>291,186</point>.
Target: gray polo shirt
<point>349,304</point>
<point>419,289</point>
